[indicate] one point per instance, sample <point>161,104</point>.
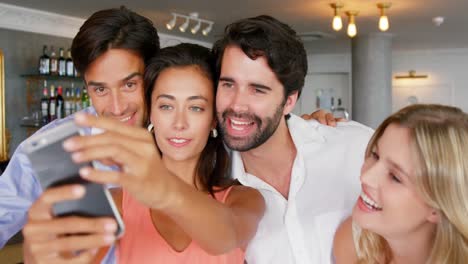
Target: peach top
<point>142,242</point>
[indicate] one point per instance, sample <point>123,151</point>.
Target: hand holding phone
<point>54,167</point>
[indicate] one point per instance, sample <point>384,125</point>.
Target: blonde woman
<point>414,202</point>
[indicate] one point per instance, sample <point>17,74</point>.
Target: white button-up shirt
<point>323,189</point>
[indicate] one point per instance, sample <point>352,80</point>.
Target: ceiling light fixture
<point>352,29</point>
<point>337,23</point>
<point>170,25</point>
<point>208,29</point>
<point>411,75</point>
<point>384,25</point>
<point>192,17</point>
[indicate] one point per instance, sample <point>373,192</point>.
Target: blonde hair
<point>440,141</point>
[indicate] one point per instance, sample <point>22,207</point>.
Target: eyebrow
<point>130,76</point>
<point>393,164</point>
<point>256,85</point>
<point>171,97</point>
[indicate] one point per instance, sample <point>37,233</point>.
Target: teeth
<point>125,119</point>
<point>368,201</point>
<point>178,141</point>
<point>239,123</point>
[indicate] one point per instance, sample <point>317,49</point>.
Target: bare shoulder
<point>343,244</point>
<point>243,195</point>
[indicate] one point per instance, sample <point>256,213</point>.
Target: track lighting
<point>192,17</point>
<point>170,25</point>
<point>184,26</point>
<point>207,30</point>
<point>195,29</point>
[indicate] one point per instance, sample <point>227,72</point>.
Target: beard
<point>266,127</point>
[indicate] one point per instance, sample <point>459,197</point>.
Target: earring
<point>150,127</point>
<point>214,132</point>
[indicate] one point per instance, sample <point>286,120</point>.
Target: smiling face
<point>115,84</point>
<point>182,112</point>
<point>389,204</point>
<point>250,101</point>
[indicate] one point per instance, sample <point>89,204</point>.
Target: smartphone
<point>54,167</point>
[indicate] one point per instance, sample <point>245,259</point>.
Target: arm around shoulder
<point>344,251</point>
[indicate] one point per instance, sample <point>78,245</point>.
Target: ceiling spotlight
<point>195,29</point>
<point>337,23</point>
<point>352,29</point>
<point>170,25</point>
<point>184,26</point>
<point>207,30</point>
<point>384,25</point>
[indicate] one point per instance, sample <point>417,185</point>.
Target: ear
<point>290,103</point>
<point>434,216</point>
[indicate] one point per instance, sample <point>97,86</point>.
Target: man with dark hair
<point>308,173</point>
<point>110,51</point>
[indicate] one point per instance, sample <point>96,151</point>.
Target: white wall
<point>447,72</point>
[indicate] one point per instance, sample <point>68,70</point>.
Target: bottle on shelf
<point>78,105</point>
<point>60,103</point>
<point>53,62</point>
<point>84,98</point>
<point>71,98</point>
<point>45,105</point>
<point>70,67</point>
<point>67,103</point>
<point>44,62</point>
<point>52,104</point>
<point>340,111</point>
<point>62,64</point>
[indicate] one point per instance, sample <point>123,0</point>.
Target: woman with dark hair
<point>177,201</point>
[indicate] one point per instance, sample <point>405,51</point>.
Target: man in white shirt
<point>307,173</point>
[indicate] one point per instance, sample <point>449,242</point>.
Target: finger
<point>341,119</point>
<point>106,138</point>
<point>85,256</point>
<point>42,208</point>
<point>71,243</point>
<point>110,124</point>
<point>305,117</point>
<point>100,176</point>
<point>124,156</point>
<point>330,119</point>
<point>42,230</point>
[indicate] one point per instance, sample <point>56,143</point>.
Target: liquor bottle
<point>45,105</point>
<point>70,67</point>
<point>84,99</point>
<point>62,64</point>
<point>44,62</point>
<point>60,103</point>
<point>53,62</point>
<point>67,103</point>
<point>78,105</point>
<point>71,99</point>
<point>340,111</point>
<point>52,104</point>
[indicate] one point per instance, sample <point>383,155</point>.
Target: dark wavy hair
<point>117,28</point>
<point>276,41</point>
<point>213,165</point>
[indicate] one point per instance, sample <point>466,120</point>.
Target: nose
<point>118,104</point>
<point>371,174</point>
<point>239,100</point>
<point>180,120</point>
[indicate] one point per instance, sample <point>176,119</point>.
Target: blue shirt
<point>19,188</point>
